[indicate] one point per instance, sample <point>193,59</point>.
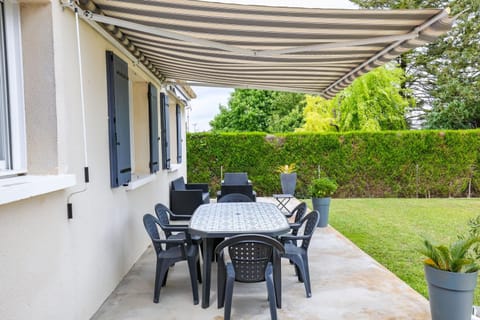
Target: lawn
<point>391,230</point>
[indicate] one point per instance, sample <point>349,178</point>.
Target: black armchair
<point>254,258</point>
<point>186,197</point>
<point>235,178</point>
<point>177,250</point>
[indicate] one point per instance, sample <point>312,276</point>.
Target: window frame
<point>15,100</point>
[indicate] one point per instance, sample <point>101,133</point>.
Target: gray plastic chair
<point>299,254</point>
<point>178,250</point>
<point>252,260</point>
<point>235,197</point>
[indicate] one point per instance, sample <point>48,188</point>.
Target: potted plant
<point>320,190</point>
<point>288,178</point>
<point>451,273</point>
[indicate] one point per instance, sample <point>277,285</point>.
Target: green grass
<point>391,230</point>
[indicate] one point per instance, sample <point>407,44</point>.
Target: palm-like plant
<point>458,257</point>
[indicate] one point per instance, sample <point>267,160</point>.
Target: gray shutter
<point>118,120</point>
<point>153,118</point>
<point>179,134</point>
<point>164,113</point>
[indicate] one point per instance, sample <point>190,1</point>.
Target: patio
<point>346,284</point>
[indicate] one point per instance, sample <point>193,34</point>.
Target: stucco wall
<point>52,267</point>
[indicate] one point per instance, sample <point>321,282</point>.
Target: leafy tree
<point>444,75</point>
<point>318,114</point>
<point>260,110</point>
<point>373,102</point>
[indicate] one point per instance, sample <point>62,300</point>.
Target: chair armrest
<point>169,241</point>
<point>295,225</point>
<point>290,237</point>
<point>201,186</point>
<point>177,227</point>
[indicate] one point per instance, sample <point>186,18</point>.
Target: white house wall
<point>52,267</point>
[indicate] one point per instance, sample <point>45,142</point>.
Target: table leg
<point>207,271</point>
<point>277,279</point>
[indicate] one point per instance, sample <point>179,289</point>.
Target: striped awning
<point>316,51</point>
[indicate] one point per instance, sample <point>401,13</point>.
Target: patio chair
<point>246,189</point>
<point>252,259</point>
<point>235,178</point>
<point>180,249</point>
<point>299,211</point>
<point>174,231</point>
<point>186,197</point>
<point>299,254</point>
<point>235,197</point>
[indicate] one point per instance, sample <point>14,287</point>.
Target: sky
<point>206,105</point>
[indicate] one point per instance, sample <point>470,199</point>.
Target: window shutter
<point>179,134</point>
<point>118,120</point>
<point>153,117</point>
<point>164,113</point>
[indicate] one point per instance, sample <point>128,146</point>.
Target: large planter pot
<point>288,182</point>
<point>450,293</point>
<point>322,205</point>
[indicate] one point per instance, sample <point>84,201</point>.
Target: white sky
<point>205,106</point>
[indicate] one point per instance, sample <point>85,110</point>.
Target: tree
<point>444,75</point>
<point>318,114</point>
<point>374,101</point>
<point>259,110</point>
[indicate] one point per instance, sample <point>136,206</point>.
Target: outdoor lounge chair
<point>253,259</point>
<point>186,197</point>
<point>235,178</point>
<point>178,250</point>
<point>299,254</point>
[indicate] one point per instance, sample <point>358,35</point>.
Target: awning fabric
<point>316,51</point>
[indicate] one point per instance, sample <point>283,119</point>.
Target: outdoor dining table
<point>219,220</point>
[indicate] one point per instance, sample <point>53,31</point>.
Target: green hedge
<point>380,164</point>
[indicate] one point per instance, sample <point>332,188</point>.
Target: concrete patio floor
<point>346,284</point>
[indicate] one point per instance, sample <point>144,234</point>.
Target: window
<point>4,122</point>
<point>12,107</point>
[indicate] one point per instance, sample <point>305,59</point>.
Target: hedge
<point>364,164</point>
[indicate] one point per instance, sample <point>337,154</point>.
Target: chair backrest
<point>250,255</point>
<point>245,189</point>
<point>299,211</point>
<point>236,178</point>
<point>310,222</point>
<point>162,213</point>
<point>235,197</point>
<point>178,184</point>
<point>151,225</point>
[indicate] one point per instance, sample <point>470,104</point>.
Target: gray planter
<point>288,182</point>
<point>322,205</point>
<point>450,293</point>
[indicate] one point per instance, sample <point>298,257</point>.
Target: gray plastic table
<point>218,220</point>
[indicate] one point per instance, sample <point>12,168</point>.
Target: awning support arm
<point>418,29</point>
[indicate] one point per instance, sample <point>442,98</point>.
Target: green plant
<point>322,187</point>
<point>458,257</point>
<point>287,168</point>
